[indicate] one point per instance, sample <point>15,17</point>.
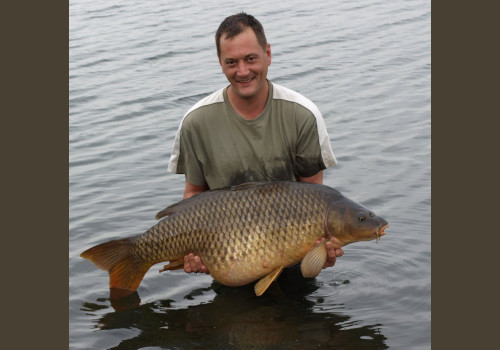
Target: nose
<point>242,68</point>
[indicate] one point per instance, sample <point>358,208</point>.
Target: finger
<point>187,265</point>
<point>321,240</point>
<point>199,265</point>
<point>192,263</point>
<point>336,243</point>
<point>330,262</point>
<point>331,255</point>
<point>202,266</point>
<point>339,252</point>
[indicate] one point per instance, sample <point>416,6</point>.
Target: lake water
<point>136,67</point>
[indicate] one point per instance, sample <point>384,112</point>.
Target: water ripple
<point>137,67</point>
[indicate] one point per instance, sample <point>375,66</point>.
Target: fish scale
<point>242,234</point>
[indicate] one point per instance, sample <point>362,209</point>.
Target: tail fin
<point>125,272</point>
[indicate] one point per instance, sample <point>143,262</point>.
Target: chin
<point>247,91</point>
<point>244,93</point>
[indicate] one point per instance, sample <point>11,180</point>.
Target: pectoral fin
<point>313,262</point>
<point>174,265</point>
<point>266,281</point>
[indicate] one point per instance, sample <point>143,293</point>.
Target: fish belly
<point>245,266</point>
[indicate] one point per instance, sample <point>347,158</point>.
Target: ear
<point>268,53</point>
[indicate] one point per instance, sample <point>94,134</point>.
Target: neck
<point>249,108</point>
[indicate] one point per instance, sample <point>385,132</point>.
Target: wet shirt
<point>217,147</point>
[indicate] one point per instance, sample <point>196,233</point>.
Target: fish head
<point>350,222</point>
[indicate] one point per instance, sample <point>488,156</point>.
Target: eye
<point>362,218</point>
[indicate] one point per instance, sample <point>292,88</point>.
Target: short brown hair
<point>235,24</point>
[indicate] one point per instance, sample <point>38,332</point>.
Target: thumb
<point>335,243</point>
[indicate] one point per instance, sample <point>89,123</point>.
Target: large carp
<point>243,233</point>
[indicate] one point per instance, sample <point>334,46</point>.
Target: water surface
<point>136,67</point>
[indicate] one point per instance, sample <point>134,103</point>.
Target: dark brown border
<point>35,175</point>
<point>464,176</point>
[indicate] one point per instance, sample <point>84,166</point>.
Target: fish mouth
<point>380,232</point>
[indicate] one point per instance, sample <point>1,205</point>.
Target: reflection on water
<point>237,319</point>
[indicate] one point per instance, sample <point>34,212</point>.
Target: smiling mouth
<point>244,81</point>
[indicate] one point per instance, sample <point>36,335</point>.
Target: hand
<point>193,263</point>
<point>331,251</point>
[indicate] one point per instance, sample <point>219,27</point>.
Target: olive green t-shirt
<point>216,146</point>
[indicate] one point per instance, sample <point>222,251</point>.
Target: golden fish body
<point>242,234</point>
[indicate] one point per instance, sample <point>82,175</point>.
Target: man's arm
<point>190,190</point>
<point>315,179</point>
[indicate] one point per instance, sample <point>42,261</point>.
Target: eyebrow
<point>245,57</point>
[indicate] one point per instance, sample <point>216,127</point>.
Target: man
<point>252,130</point>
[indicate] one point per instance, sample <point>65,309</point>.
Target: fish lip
<point>381,232</point>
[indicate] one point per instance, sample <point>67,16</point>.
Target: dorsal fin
<point>171,209</point>
<point>167,211</point>
<point>247,185</point>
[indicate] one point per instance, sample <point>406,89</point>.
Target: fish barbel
<point>242,234</point>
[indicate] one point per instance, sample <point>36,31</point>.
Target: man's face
<point>245,63</point>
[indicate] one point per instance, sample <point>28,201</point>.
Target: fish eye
<point>362,218</point>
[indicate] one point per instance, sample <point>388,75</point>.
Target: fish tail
<point>125,271</point>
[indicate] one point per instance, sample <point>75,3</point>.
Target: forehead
<point>243,44</point>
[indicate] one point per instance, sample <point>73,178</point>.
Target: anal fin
<point>313,262</point>
<point>174,265</point>
<point>266,281</point>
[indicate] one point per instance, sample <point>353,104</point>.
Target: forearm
<point>315,179</point>
<point>191,190</point>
